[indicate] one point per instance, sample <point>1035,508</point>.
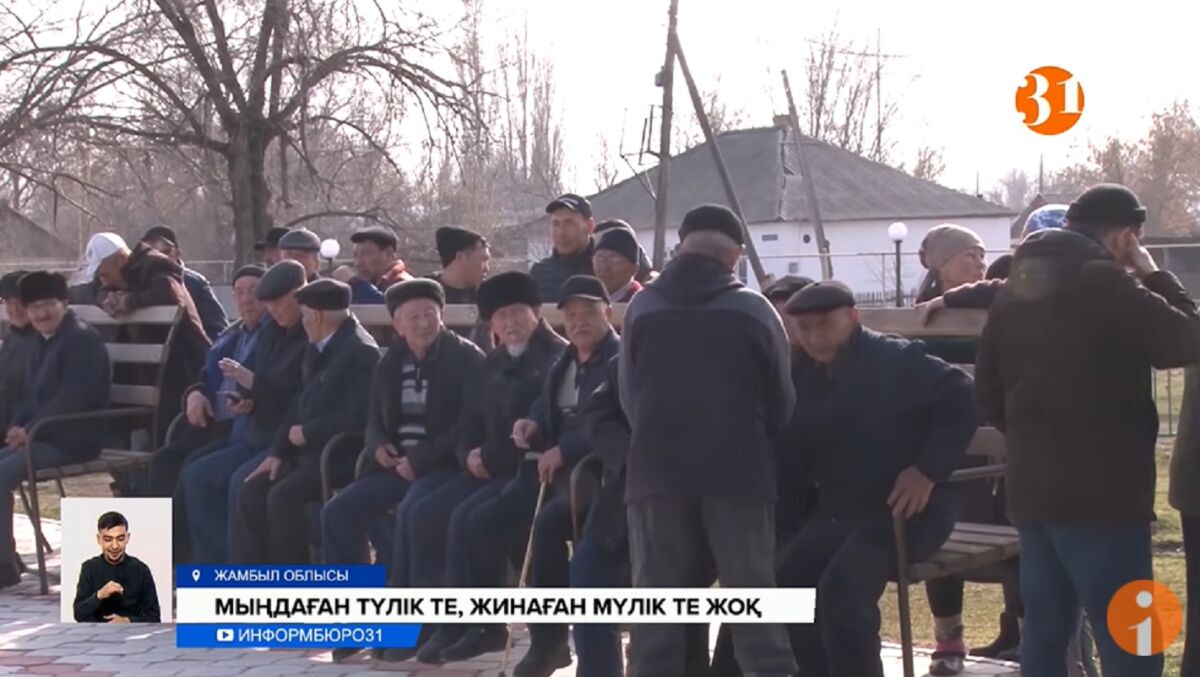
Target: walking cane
<point>524,572</point>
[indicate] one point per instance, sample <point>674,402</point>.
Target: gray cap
<point>301,239</point>
<point>282,279</point>
<point>820,297</point>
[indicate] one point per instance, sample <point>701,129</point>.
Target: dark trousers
<point>551,565</point>
<point>598,645</point>
<point>208,488</point>
<point>438,541</point>
<point>271,524</point>
<point>1063,567</point>
<point>406,549</point>
<point>850,562</point>
<point>1191,645</point>
<point>347,519</point>
<point>685,542</point>
<point>13,472</point>
<point>181,540</point>
<point>167,463</point>
<point>946,594</point>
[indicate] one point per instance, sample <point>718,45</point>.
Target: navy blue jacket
<point>70,373</point>
<point>211,377</point>
<point>279,354</point>
<point>212,314</point>
<point>570,435</point>
<point>551,272</point>
<point>882,406</point>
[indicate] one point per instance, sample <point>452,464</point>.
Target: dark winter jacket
<point>16,353</point>
<point>551,272</point>
<point>211,312</point>
<point>570,434</point>
<point>704,380</point>
<point>608,432</point>
<point>211,380</point>
<point>279,354</point>
<point>510,386</point>
<point>882,406</point>
<point>69,373</point>
<point>481,333</point>
<point>453,370</point>
<point>332,396</point>
<point>1064,369</point>
<point>977,295</point>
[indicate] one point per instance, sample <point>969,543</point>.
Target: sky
<point>959,67</point>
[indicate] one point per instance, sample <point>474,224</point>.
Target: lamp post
<point>329,251</point>
<point>897,232</point>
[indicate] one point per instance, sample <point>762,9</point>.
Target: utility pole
<point>666,81</point>
<point>878,97</point>
<point>814,210</point>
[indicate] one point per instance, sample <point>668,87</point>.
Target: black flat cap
<point>583,287</point>
<point>10,285</point>
<point>786,286</point>
<point>620,241</point>
<point>420,288</point>
<point>380,236</point>
<point>609,224</point>
<point>506,289</point>
<point>272,238</point>
<point>164,233</point>
<point>301,239</point>
<point>820,297</point>
<point>324,294</point>
<point>252,270</point>
<point>1106,204</point>
<point>576,203</point>
<point>282,279</point>
<point>40,285</point>
<point>451,240</point>
<point>716,218</point>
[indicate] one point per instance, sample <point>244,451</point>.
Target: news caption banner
<point>315,607</point>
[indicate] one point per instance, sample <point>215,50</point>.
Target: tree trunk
<point>248,188</point>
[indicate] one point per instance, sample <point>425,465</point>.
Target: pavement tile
<point>26,659</point>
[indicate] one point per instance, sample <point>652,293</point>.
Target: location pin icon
<point>196,575</point>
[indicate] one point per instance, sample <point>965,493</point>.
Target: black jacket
<point>510,386</point>
<point>15,354</point>
<point>608,433</point>
<point>551,272</point>
<point>882,406</point>
<point>212,314</point>
<point>138,602</point>
<point>278,357</point>
<point>69,373</point>
<point>332,396</point>
<point>705,383</point>
<point>570,435</point>
<point>1064,369</point>
<point>481,333</point>
<point>454,370</point>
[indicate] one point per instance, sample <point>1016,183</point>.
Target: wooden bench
<point>138,402</point>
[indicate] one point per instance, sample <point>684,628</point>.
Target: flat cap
<point>621,241</point>
<point>40,285</point>
<point>324,294</point>
<point>280,280</point>
<point>783,288</point>
<point>10,285</point>
<point>380,236</point>
<point>252,270</point>
<point>583,287</point>
<point>820,297</point>
<point>419,288</point>
<point>718,218</point>
<point>507,289</point>
<point>301,239</point>
<point>452,240</point>
<point>272,238</point>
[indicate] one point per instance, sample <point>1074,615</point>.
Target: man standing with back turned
<point>1064,369</point>
<point>700,346</point>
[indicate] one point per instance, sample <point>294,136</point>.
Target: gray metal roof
<point>765,173</point>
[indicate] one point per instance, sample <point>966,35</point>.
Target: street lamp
<point>897,232</point>
<point>329,251</point>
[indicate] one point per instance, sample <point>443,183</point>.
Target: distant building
<point>23,240</point>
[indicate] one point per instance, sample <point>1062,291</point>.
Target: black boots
<point>1009,638</point>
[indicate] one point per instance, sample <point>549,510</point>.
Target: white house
<point>858,200</point>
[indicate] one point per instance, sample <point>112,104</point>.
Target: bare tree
<point>722,117</point>
<point>929,165</point>
<point>606,170</point>
<point>1014,191</point>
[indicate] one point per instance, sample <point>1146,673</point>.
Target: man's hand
<point>115,303</point>
<point>16,437</point>
<point>911,494</point>
<point>524,430</point>
<point>1138,258</point>
<point>110,588</point>
<point>405,470</point>
<point>296,435</point>
<point>549,464</point>
<point>344,274</point>
<point>475,464</point>
<point>386,456</point>
<point>926,310</point>
<point>114,618</point>
<point>199,409</point>
<point>242,407</point>
<point>234,370</point>
<point>269,467</point>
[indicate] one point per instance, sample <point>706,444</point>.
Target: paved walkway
<point>33,642</point>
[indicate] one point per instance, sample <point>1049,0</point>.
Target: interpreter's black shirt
<point>138,602</point>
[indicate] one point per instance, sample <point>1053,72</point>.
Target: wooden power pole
<point>814,210</point>
<point>666,81</point>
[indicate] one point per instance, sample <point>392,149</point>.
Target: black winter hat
<point>506,289</point>
<point>583,287</point>
<point>10,285</point>
<point>718,218</point>
<point>420,288</point>
<point>381,237</point>
<point>820,297</point>
<point>272,238</point>
<point>609,224</point>
<point>1106,204</point>
<point>282,279</point>
<point>576,203</point>
<point>164,233</point>
<point>451,240</point>
<point>785,287</point>
<point>324,294</point>
<point>620,241</point>
<point>40,285</point>
<point>252,270</point>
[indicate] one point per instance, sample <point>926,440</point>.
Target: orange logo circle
<point>1144,618</point>
<point>1050,101</point>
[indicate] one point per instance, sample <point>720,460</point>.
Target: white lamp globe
<point>897,231</point>
<point>330,249</point>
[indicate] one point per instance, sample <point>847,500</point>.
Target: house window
<point>793,267</point>
<point>771,237</point>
